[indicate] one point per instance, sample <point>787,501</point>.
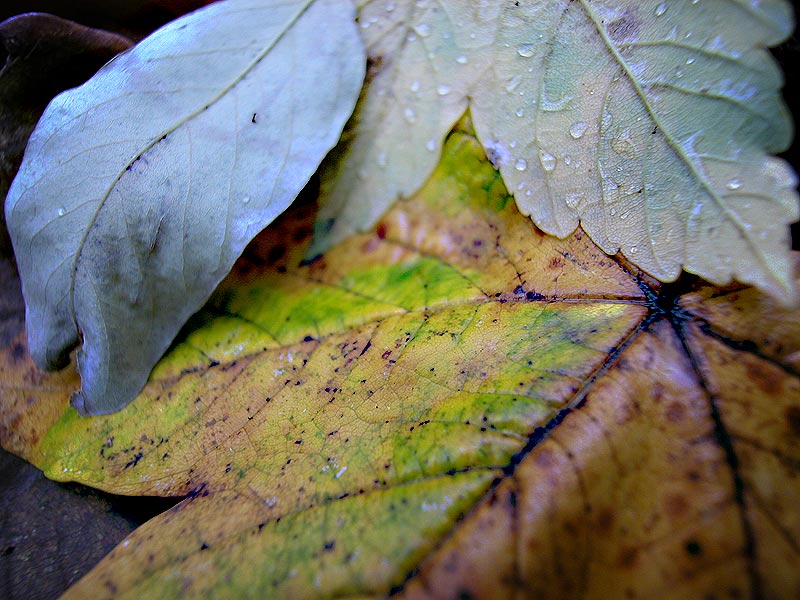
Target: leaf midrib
<point>706,185</point>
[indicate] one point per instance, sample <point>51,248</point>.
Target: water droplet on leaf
<point>578,129</point>
<point>548,160</point>
<point>423,29</point>
<point>512,85</point>
<point>526,50</point>
<point>734,184</point>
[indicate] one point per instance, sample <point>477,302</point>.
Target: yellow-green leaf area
<point>360,544</point>
<point>388,357</point>
<point>414,284</point>
<point>399,365</point>
<point>450,195</point>
<point>458,387</point>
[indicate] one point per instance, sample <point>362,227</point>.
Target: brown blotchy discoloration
<point>18,352</point>
<point>676,505</point>
<point>276,253</point>
<point>605,520</point>
<point>792,414</point>
<point>675,412</point>
<point>656,391</point>
<point>766,381</point>
<point>375,65</point>
<point>624,28</point>
<point>628,557</point>
<point>555,263</point>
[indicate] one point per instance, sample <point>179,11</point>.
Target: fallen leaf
<point>140,188</point>
<point>451,404</point>
<point>647,123</point>
<point>42,55</point>
<point>649,490</point>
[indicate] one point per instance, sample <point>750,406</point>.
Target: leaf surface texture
<point>449,404</point>
<point>647,123</point>
<point>140,188</point>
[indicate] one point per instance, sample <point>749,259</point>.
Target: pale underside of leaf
<point>647,123</point>
<point>140,188</point>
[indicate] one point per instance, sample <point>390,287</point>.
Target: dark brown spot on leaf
<point>693,548</point>
<point>605,520</point>
<point>628,557</point>
<point>675,411</point>
<point>793,419</point>
<point>676,505</point>
<point>555,263</point>
<point>767,381</point>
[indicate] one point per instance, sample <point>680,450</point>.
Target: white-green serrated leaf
<point>649,123</point>
<point>140,188</point>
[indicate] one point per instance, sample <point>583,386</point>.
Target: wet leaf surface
<point>140,188</point>
<point>648,123</point>
<point>440,407</point>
